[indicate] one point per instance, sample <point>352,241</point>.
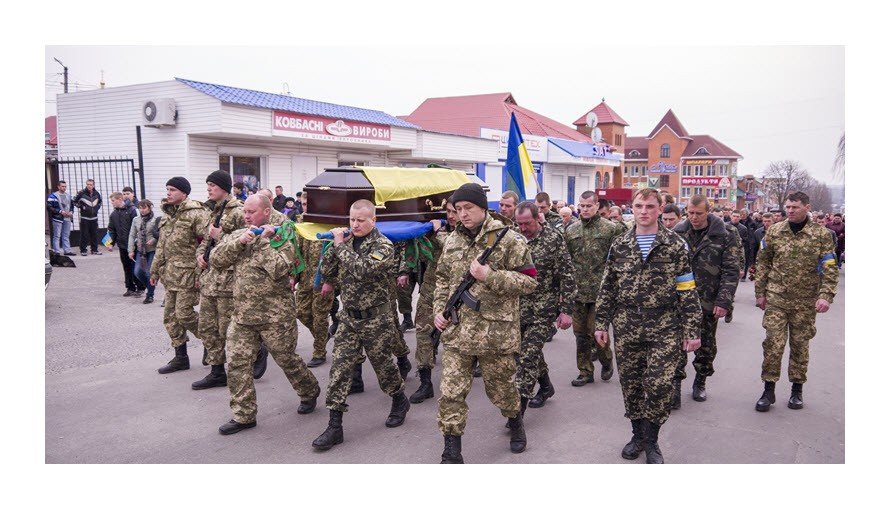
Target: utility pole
<point>65,69</point>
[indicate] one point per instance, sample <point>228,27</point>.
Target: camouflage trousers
<point>397,341</point>
<point>242,345</point>
<point>213,324</point>
<point>646,349</point>
<point>313,310</point>
<point>705,355</point>
<point>423,352</point>
<point>407,294</point>
<point>797,327</point>
<point>180,315</point>
<point>498,372</point>
<point>583,325</point>
<point>355,338</point>
<point>531,365</point>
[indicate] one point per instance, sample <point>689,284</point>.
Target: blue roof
<point>265,100</point>
<point>581,149</point>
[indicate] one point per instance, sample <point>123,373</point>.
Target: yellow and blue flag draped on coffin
<point>394,184</point>
<point>519,169</point>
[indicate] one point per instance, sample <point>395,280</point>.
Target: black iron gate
<point>109,174</point>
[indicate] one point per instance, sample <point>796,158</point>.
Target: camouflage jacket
<point>554,220</point>
<point>795,270</point>
<point>216,282</point>
<point>365,277</point>
<point>277,218</point>
<point>716,261</point>
<point>494,329</point>
<point>664,280</point>
<point>588,241</point>
<point>175,263</point>
<point>556,279</point>
<point>261,290</point>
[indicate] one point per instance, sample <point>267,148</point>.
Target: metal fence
<point>109,174</point>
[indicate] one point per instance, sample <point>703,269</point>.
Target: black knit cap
<point>222,179</point>
<point>180,183</point>
<point>472,193</point>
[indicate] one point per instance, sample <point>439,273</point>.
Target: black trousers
<point>130,280</point>
<point>89,234</point>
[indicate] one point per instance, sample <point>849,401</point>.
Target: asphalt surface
<point>106,403</point>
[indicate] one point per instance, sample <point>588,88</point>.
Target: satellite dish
<point>596,134</point>
<point>591,119</point>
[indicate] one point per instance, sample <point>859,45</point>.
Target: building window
<point>723,170</point>
<point>665,151</point>
<point>643,170</point>
<point>684,192</point>
<point>697,190</point>
<point>626,171</point>
<point>721,193</point>
<point>702,152</point>
<point>685,170</point>
<point>634,170</point>
<point>596,181</point>
<point>698,170</point>
<point>665,181</point>
<point>243,169</point>
<point>607,182</point>
<point>711,171</point>
<point>710,192</point>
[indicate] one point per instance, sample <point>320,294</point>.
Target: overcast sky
<point>765,102</point>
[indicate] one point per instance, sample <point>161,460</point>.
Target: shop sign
<point>750,197</point>
<point>722,161</point>
<point>701,181</point>
<point>703,162</point>
<point>661,167</point>
<point>653,182</point>
<point>328,129</point>
<point>724,182</point>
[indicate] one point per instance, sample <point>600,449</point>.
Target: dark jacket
<point>278,202</point>
<point>119,223</point>
<point>88,203</point>
<point>716,260</point>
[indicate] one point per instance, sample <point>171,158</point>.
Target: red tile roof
<point>468,114</point>
<point>638,143</point>
<point>49,124</point>
<point>714,147</point>
<point>671,120</point>
<point>604,115</point>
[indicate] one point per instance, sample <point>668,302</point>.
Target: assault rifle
<point>462,294</point>
<point>212,242</point>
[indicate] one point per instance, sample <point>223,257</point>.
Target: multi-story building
<point>611,130</point>
<point>682,164</point>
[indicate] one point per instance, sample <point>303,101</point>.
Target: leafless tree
<point>781,178</point>
<point>840,159</point>
<point>820,197</point>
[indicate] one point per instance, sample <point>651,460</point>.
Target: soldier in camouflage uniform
<point>264,311</point>
<point>425,351</point>
<point>362,266</point>
<point>542,200</point>
<point>715,255</point>
<point>588,242</point>
<point>490,335</point>
<point>174,266</point>
<point>648,296</point>
<point>313,305</point>
<point>405,290</point>
<point>552,301</point>
<point>217,285</point>
<point>796,278</point>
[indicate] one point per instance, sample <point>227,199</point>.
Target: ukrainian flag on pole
<point>519,169</point>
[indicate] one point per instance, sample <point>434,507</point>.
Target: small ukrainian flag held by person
<point>106,240</point>
<point>519,169</point>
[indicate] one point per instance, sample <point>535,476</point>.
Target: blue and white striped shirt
<point>645,242</point>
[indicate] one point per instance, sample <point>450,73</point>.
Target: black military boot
<point>425,391</point>
<point>307,406</point>
<point>204,358</point>
<point>333,435</point>
<point>517,434</point>
<point>633,448</point>
<point>545,392</point>
<point>178,362</point>
<point>259,365</point>
<point>650,443</point>
<point>404,366</point>
<point>698,389</point>
<point>582,380</point>
<point>399,410</point>
<point>608,371</point>
<point>451,454</point>
<point>234,426</point>
<point>216,378</point>
<point>334,324</point>
<point>767,398</point>
<point>358,385</point>
<point>676,400</point>
<point>315,362</point>
<point>407,323</point>
<point>523,404</point>
<point>796,400</point>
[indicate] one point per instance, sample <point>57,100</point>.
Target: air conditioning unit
<point>159,113</point>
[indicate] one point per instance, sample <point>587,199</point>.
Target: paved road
<point>105,403</point>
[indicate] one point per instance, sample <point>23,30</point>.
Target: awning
<point>583,150</point>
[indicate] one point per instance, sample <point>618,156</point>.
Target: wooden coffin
<point>332,193</point>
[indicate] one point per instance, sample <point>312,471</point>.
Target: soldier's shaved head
<point>362,218</point>
<point>257,209</point>
<point>364,205</point>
